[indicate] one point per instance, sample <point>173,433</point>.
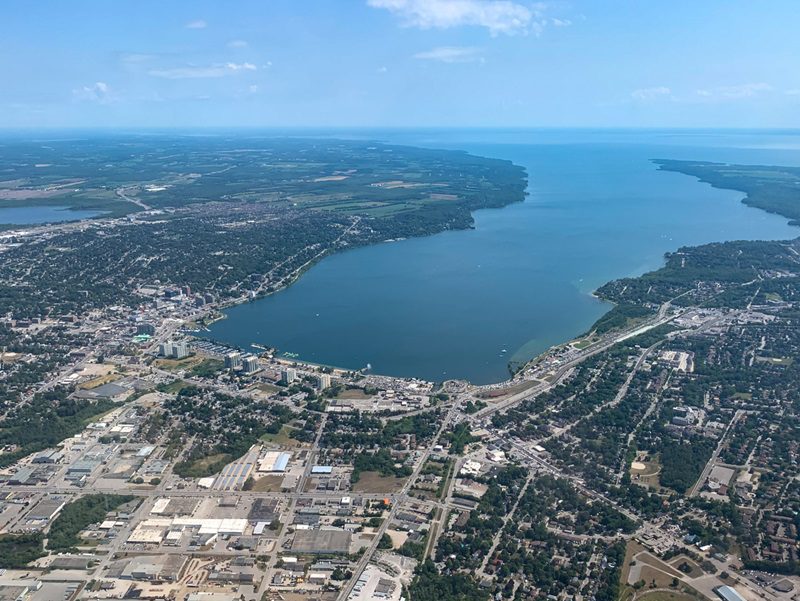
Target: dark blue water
<point>463,304</point>
<point>42,214</point>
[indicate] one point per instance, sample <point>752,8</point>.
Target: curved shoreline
<point>579,339</point>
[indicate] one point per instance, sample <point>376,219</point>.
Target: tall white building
<point>288,375</point>
<point>180,350</point>
<point>175,350</point>
<point>233,360</point>
<point>250,365</point>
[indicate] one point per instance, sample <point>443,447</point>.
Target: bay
<point>463,304</point>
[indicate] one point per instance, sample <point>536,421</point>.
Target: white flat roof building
<point>274,461</point>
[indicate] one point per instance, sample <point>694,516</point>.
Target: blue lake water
<point>42,214</point>
<point>463,304</point>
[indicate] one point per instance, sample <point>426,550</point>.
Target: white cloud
<point>237,44</point>
<point>196,24</point>
<point>792,92</point>
<point>498,16</point>
<point>653,93</point>
<point>382,69</point>
<point>451,54</point>
<point>196,72</point>
<point>98,92</point>
<point>241,66</point>
<point>561,22</point>
<point>745,90</point>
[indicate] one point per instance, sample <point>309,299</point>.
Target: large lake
<point>42,214</point>
<point>464,304</point>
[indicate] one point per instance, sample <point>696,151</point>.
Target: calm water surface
<point>42,214</point>
<point>464,304</point>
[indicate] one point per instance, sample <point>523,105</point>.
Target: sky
<point>399,63</point>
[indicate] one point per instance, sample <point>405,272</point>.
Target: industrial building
<point>46,509</point>
<point>22,476</point>
<point>321,541</point>
<point>50,456</point>
<point>274,461</point>
<point>153,531</point>
<point>728,593</point>
<point>18,589</point>
<point>110,391</point>
<point>263,510</point>
<point>81,469</point>
<point>159,568</point>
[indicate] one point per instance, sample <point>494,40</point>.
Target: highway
<point>598,347</point>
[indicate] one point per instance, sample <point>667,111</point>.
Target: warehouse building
<point>322,541</point>
<point>275,462</point>
<point>46,509</point>
<point>728,593</point>
<point>159,568</point>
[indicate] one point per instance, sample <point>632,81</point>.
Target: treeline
<point>77,515</point>
<point>17,550</point>
<point>700,273</point>
<point>785,568</point>
<point>683,462</point>
<point>430,585</point>
<point>360,430</point>
<point>225,427</point>
<point>621,316</point>
<point>45,421</point>
<point>381,461</point>
<point>772,189</point>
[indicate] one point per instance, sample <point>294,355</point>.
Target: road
<point>623,390</point>
<point>121,192</point>
<point>598,347</point>
<point>301,484</point>
<point>698,486</point>
<point>401,497</point>
<point>506,518</point>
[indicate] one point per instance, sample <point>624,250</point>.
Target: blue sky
<point>606,63</point>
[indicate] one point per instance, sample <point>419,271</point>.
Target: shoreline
<point>571,342</point>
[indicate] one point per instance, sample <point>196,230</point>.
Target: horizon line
<point>25,128</point>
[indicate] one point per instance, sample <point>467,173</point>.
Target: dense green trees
<point>17,550</point>
<point>225,427</point>
<point>45,421</point>
<point>380,461</point>
<point>77,515</point>
<point>772,189</point>
<point>430,585</point>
